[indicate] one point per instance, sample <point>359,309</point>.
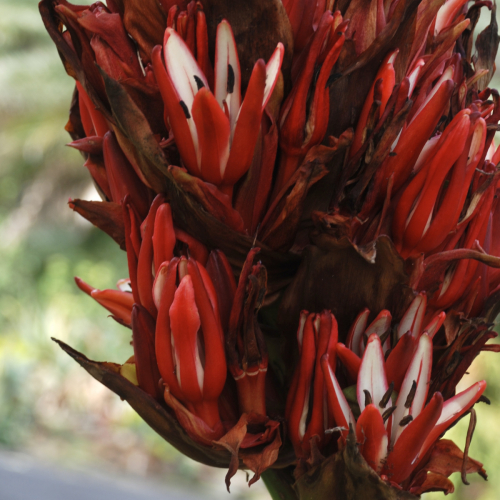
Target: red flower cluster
<point>352,152</point>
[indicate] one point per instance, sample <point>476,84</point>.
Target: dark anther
<point>185,109</point>
<point>387,413</point>
<point>411,394</point>
<point>230,79</point>
<point>199,82</point>
<point>406,420</point>
<point>387,396</point>
<point>484,399</point>
<point>368,397</point>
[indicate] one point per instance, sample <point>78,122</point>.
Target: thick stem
<point>279,484</point>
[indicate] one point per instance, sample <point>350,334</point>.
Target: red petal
<point>215,359</point>
<point>403,458</point>
<point>273,67</point>
<point>388,76</point>
<point>184,140</point>
<point>145,261</point>
<point>419,372</point>
<point>355,335</point>
<point>372,437</point>
<point>227,81</point>
<point>435,324</point>
<point>299,400</point>
<point>351,361</point>
<point>213,130</point>
<point>326,330</point>
<point>453,409</point>
<point>247,126</point>
<point>337,403</point>
<point>371,376</point>
<point>163,342</point>
<point>185,324</point>
<point>413,317</point>
<point>117,303</point>
<point>399,359</point>
<point>163,236</point>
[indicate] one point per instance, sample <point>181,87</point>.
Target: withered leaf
<point>105,215</point>
<point>154,413</point>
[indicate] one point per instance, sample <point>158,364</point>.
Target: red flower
<point>189,339</point>
<point>216,133</point>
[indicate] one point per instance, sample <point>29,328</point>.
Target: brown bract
<point>105,215</point>
<point>348,474</point>
<point>145,21</point>
<point>337,276</point>
<point>160,418</point>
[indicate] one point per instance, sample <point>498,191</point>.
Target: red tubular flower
<point>189,340</point>
<point>387,77</point>
<point>317,337</point>
<point>372,437</point>
<point>118,302</point>
<point>303,121</point>
<point>409,146</point>
<point>402,459</point>
<point>216,133</point>
<point>393,439</point>
<point>412,217</point>
<point>368,186</point>
<point>471,231</point>
<point>304,16</point>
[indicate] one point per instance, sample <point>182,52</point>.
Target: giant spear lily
<point>306,193</point>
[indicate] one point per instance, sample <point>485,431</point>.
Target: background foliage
<point>49,407</point>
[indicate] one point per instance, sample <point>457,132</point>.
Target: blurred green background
<point>49,407</point>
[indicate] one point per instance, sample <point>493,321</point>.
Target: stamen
<point>185,109</point>
<point>230,79</point>
<point>387,413</point>
<point>411,394</point>
<point>386,396</point>
<point>199,82</point>
<point>368,397</point>
<point>406,420</point>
